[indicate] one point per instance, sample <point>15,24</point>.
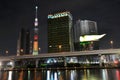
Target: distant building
<point>77,34</point>
<point>60,32</point>
<point>23,44</point>
<point>27,45</point>
<point>87,27</point>
<point>82,28</point>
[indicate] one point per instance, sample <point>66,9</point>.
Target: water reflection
<point>52,75</point>
<point>73,75</point>
<point>83,74</point>
<point>10,75</point>
<point>20,75</point>
<point>118,74</point>
<point>104,74</point>
<point>90,74</point>
<point>4,76</point>
<point>38,75</point>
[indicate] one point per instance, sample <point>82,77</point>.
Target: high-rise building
<point>35,39</point>
<point>82,28</point>
<point>23,44</point>
<point>88,27</point>
<point>27,43</point>
<point>77,34</point>
<point>60,32</point>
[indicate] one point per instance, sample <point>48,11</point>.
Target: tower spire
<point>36,17</point>
<point>36,30</point>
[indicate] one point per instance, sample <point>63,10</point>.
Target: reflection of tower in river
<point>35,41</point>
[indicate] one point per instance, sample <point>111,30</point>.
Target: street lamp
<point>21,50</point>
<point>39,49</point>
<point>111,43</point>
<point>6,52</point>
<point>60,47</point>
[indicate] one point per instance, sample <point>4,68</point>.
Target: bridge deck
<point>62,54</point>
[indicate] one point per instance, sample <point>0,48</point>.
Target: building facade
<point>60,32</point>
<point>87,27</point>
<point>82,28</point>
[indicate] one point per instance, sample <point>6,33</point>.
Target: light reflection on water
<point>20,75</point>
<point>104,74</point>
<point>118,74</point>
<point>10,75</point>
<point>73,75</point>
<point>83,74</point>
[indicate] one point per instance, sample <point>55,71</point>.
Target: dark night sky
<point>15,14</point>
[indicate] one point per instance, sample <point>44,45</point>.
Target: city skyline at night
<point>17,14</point>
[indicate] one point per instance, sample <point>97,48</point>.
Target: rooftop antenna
<point>36,18</point>
<point>36,15</point>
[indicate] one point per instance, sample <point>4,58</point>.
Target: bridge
<point>96,56</point>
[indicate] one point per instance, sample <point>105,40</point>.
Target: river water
<point>81,74</point>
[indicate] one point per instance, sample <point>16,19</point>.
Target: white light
<point>36,7</point>
<point>48,61</point>
<point>36,19</point>
<point>104,74</point>
<point>50,46</point>
<point>11,63</point>
<point>91,37</point>
<point>55,76</point>
<point>28,75</point>
<point>73,60</point>
<point>10,75</point>
<point>54,61</point>
<point>48,75</point>
<point>0,64</point>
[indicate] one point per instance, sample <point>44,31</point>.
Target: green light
<point>35,52</point>
<point>84,43</point>
<point>43,65</point>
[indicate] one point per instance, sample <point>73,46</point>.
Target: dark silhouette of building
<point>60,32</point>
<point>27,50</point>
<point>23,45</point>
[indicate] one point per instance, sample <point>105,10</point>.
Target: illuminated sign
<point>91,37</point>
<point>58,15</point>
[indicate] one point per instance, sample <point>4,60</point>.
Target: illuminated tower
<point>35,41</point>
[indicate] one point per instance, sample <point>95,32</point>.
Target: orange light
<point>35,46</point>
<point>116,61</point>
